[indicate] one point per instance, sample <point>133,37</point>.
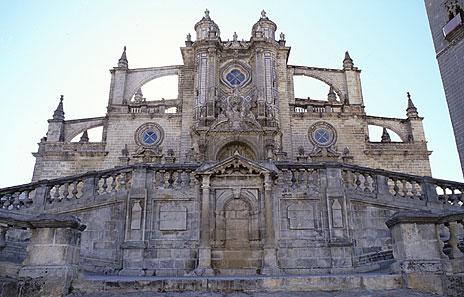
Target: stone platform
<point>113,285</point>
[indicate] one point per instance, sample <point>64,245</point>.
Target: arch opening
<point>375,134</point>
<point>165,87</point>
<point>309,88</point>
<point>94,135</point>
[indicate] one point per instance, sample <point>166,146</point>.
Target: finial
<point>207,13</point>
<point>84,137</point>
<point>282,36</point>
<point>123,63</point>
<point>347,62</point>
<point>235,36</point>
<point>411,111</point>
<point>385,136</point>
<point>263,14</point>
<point>331,96</point>
<point>189,37</point>
<point>58,115</point>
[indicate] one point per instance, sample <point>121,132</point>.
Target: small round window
<point>322,134</point>
<point>149,134</point>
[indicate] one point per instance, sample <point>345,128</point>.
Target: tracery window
<point>235,77</point>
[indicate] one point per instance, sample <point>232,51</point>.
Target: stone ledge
<point>40,221</point>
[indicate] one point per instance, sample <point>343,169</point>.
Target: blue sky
<point>50,48</point>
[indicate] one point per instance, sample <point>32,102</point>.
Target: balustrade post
<point>429,190</point>
<point>453,240</point>
<point>40,196</point>
<point>90,185</point>
<point>382,186</point>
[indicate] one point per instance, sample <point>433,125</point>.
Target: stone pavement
<point>384,293</point>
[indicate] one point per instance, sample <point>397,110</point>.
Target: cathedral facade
<point>235,175</point>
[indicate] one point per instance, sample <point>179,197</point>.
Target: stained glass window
<point>322,136</point>
<point>149,137</point>
<point>235,77</point>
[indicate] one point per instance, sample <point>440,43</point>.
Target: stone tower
<point>446,19</point>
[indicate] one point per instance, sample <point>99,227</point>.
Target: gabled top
<point>237,163</point>
<point>264,27</point>
<point>206,28</point>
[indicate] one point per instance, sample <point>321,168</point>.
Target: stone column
<point>204,251</point>
<point>270,253</point>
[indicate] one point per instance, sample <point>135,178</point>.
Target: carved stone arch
<point>333,78</point>
<point>136,78</point>
<point>223,145</point>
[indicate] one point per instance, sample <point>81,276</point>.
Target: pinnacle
<point>59,111</point>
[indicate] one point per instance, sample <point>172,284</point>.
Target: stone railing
<point>363,182</point>
<point>47,193</point>
<point>379,184</point>
<point>52,253</point>
<point>155,107</point>
<point>426,247</point>
<point>314,106</point>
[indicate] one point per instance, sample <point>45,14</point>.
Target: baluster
<point>113,183</point>
<point>357,180</point>
<point>293,179</point>
<point>15,198</point>
<point>413,189</point>
<point>170,179</point>
<point>104,185</point>
<point>445,195</point>
<point>367,188</point>
<point>441,243</point>
<point>395,187</point>
<point>65,191</point>
<point>179,178</point>
<point>7,202</point>
<point>74,190</point>
<point>453,240</point>
<point>56,194</point>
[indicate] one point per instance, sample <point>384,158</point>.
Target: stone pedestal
<point>53,256</point>
<point>132,258</point>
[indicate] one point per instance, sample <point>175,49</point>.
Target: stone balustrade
<point>363,182</point>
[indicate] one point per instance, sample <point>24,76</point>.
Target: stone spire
<point>385,136</point>
<point>123,63</point>
<point>206,28</point>
<point>264,27</point>
<point>84,137</point>
<point>58,115</point>
<point>331,96</point>
<point>348,62</point>
<point>411,111</point>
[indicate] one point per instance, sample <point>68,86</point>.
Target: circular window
<point>149,134</point>
<point>322,134</point>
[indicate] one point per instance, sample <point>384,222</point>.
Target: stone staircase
<point>343,285</point>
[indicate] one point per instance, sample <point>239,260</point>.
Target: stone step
<point>364,293</point>
<point>88,284</point>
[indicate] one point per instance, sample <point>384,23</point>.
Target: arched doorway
<point>236,146</point>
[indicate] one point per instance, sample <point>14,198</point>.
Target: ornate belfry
<point>236,175</point>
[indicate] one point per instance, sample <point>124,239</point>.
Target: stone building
<point>446,19</point>
<point>236,176</point>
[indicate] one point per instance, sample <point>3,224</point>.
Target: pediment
<point>236,165</point>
